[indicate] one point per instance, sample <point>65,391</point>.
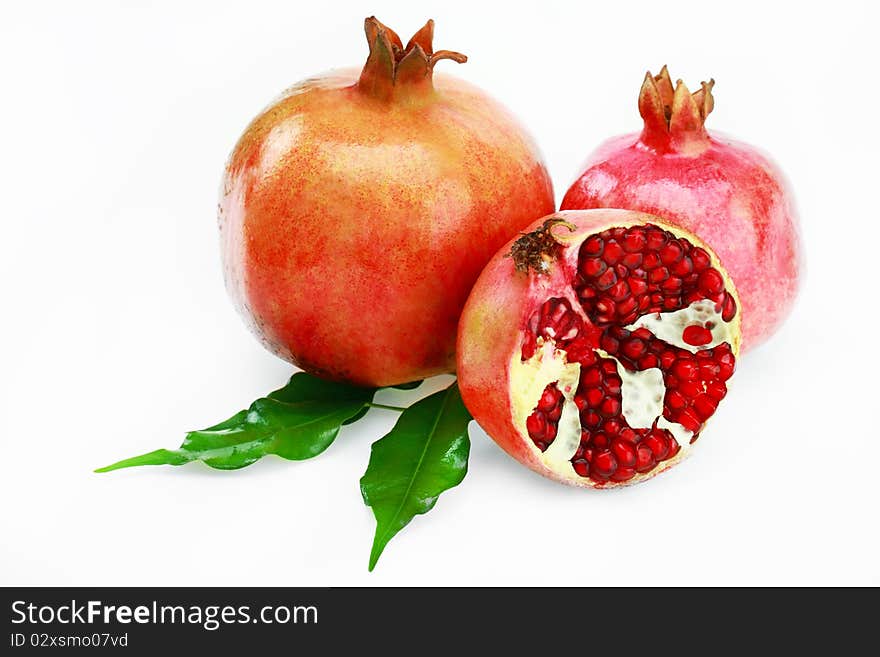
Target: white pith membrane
<point>670,326</point>
<point>642,392</point>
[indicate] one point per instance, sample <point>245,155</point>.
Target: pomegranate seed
<point>582,468</point>
<point>626,306</point>
<point>633,348</point>
<point>705,406</point>
<point>609,344</point>
<point>592,267</point>
<point>711,282</point>
<point>700,259</point>
<point>655,239</point>
<point>671,253</point>
<point>619,290</point>
<point>647,362</point>
<point>612,385</point>
<point>535,425</point>
<point>600,441</point>
<point>644,458</point>
<point>685,370</point>
<point>606,280</point>
<point>671,285</point>
<point>548,398</point>
<point>716,390</point>
<point>690,389</point>
<point>726,364</point>
<point>611,427</point>
<point>637,286</point>
<point>658,275</point>
<point>683,267</point>
<point>729,310</point>
<point>591,377</point>
<point>623,474</point>
<point>697,335</point>
<point>613,253</point>
<point>667,358</point>
<point>594,396</point>
<point>550,432</point>
<point>634,240</point>
<point>593,245</point>
<point>629,435</point>
<point>675,400</point>
<point>610,407</point>
<point>580,351</point>
<point>689,420</point>
<point>643,334</point>
<point>651,261</point>
<point>632,260</point>
<point>708,370</point>
<point>603,464</point>
<point>624,452</point>
<point>609,366</point>
<point>605,307</point>
<point>590,418</point>
<point>658,445</point>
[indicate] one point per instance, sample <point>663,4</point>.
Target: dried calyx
<point>674,117</point>
<point>395,71</point>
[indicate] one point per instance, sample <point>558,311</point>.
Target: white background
<point>117,334</point>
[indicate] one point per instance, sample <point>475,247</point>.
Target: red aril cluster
<point>635,325</point>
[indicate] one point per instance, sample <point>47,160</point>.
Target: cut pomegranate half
<point>595,346</point>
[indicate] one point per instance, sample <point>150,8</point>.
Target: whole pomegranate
<point>595,347</point>
<point>724,191</point>
<point>358,210</point>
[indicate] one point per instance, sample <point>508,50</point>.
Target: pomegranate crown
<point>397,71</point>
<point>674,117</point>
<point>536,250</point>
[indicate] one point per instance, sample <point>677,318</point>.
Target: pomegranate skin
<point>357,212</point>
<point>495,317</point>
<point>725,191</point>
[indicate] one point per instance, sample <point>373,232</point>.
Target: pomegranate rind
<point>495,318</point>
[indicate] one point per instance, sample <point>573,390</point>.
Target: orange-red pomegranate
<point>595,347</point>
<point>358,210</point>
<point>725,191</point>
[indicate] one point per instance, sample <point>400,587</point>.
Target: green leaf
<point>425,454</point>
<point>296,422</point>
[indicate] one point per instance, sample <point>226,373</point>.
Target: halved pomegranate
<point>594,347</point>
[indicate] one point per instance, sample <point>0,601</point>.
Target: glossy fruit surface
<point>357,211</point>
<point>725,191</point>
<point>595,346</point>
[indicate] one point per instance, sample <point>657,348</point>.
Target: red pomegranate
<point>358,210</point>
<point>595,347</point>
<point>725,191</point>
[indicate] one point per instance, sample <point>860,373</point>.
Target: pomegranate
<point>596,356</point>
<point>358,210</point>
<point>724,191</point>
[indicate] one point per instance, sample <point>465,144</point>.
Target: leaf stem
<point>387,407</point>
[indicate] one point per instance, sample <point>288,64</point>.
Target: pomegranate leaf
<point>424,454</point>
<point>295,422</point>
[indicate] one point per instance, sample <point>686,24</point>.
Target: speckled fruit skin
<point>491,328</point>
<point>722,190</point>
<point>356,213</point>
